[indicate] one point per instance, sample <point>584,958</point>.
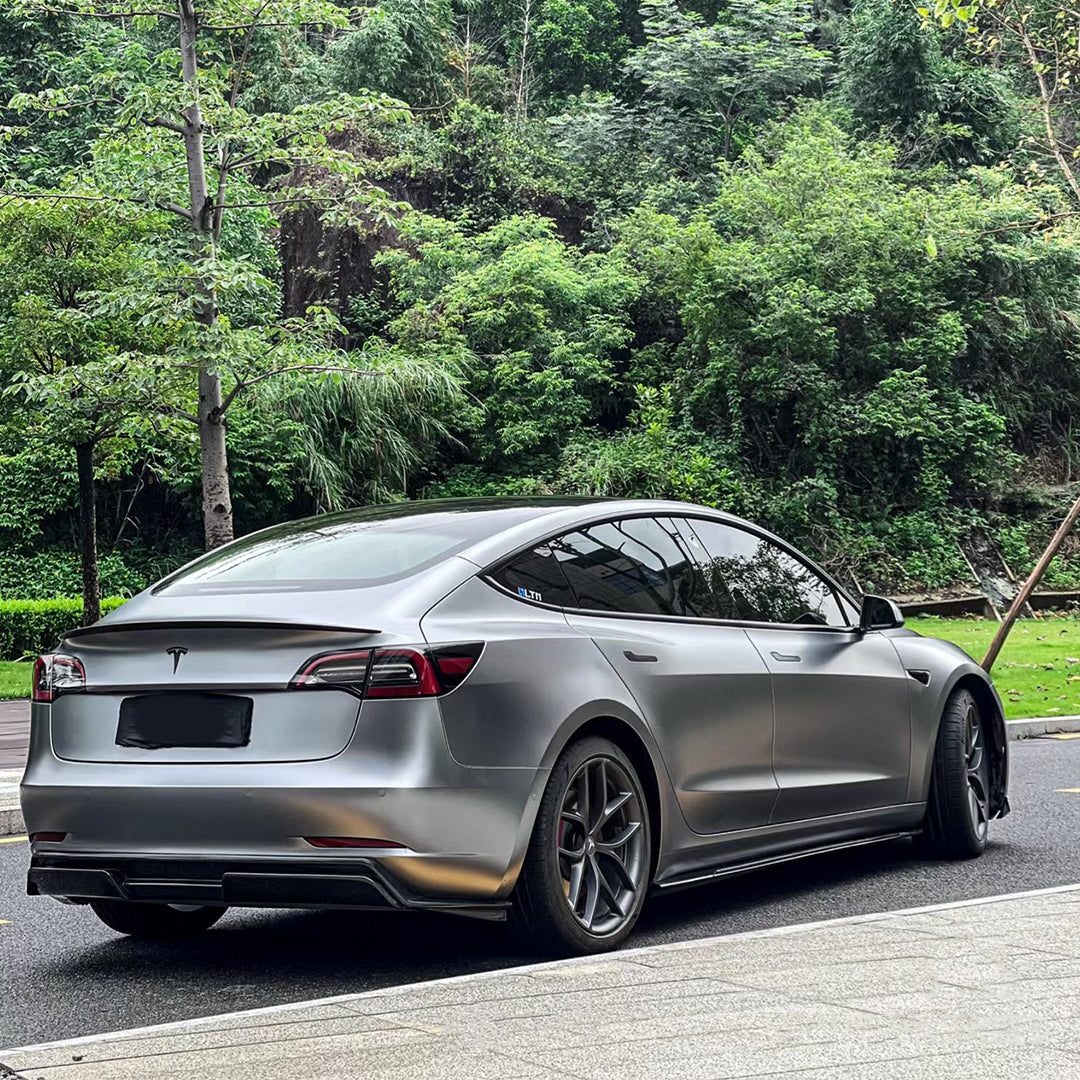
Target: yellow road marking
<point>5,922</point>
<point>1067,791</point>
<point>13,839</point>
<point>1064,735</point>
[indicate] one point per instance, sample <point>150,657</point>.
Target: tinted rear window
<point>359,550</point>
<point>633,565</point>
<point>536,575</point>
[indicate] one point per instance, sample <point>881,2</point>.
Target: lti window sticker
<point>529,594</point>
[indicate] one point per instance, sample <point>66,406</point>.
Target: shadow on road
<point>330,952</point>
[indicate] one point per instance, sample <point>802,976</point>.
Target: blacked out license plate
<point>156,721</point>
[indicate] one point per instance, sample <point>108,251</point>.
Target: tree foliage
<point>815,264</point>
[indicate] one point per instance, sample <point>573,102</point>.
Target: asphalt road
<point>63,974</point>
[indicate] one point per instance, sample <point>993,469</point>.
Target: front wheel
<point>158,922</point>
<point>587,868</point>
<point>958,809</point>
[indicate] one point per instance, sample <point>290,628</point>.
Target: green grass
<point>15,679</point>
<point>1033,674</point>
<point>1038,671</point>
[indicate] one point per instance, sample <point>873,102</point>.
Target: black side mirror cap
<point>878,613</point>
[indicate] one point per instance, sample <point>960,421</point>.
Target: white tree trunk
<point>217,500</point>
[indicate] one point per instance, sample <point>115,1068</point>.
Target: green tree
<point>720,74</point>
<point>76,370</point>
<point>1043,40</point>
<point>538,327</point>
<point>827,305</point>
<point>579,44</point>
<point>182,112</point>
<point>894,74</point>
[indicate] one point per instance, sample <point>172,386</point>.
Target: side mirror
<point>879,614</point>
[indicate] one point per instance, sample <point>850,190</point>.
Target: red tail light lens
<point>345,671</point>
<point>455,662</point>
<point>391,673</point>
<point>350,842</point>
<point>402,673</point>
<point>56,674</point>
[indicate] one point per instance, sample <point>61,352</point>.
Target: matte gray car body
<point>754,741</point>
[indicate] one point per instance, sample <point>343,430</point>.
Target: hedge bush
<point>35,626</point>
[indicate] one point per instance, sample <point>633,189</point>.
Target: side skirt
<point>699,877</point>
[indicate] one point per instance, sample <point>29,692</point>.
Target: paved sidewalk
<point>14,733</point>
<point>11,819</point>
<point>987,989</point>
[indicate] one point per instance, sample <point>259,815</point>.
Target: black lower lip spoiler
<point>213,624</point>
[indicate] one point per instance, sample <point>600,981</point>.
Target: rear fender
<point>538,684</point>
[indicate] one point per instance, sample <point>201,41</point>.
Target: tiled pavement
<point>14,733</point>
<point>987,989</point>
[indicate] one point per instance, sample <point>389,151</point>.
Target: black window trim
<point>842,597</point>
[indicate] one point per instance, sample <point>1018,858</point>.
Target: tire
<point>957,811</point>
<point>586,871</point>
<point>155,922</point>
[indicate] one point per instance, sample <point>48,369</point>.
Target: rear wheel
<point>156,921</point>
<point>958,810</point>
<point>587,869</point>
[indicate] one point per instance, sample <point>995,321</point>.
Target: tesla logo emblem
<point>176,651</point>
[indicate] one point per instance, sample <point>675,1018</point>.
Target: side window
<point>536,575</point>
<point>713,588</point>
<point>765,583</point>
<point>634,565</point>
<point>691,595</point>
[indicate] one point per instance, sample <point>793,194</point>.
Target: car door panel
<point>842,717</point>
<point>707,697</point>
<point>842,724</point>
<point>702,688</point>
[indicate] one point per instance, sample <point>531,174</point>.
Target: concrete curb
<point>1042,725</point>
<point>11,821</point>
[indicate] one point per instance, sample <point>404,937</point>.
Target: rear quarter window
<point>536,575</point>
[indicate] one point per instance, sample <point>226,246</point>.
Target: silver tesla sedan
<point>539,709</point>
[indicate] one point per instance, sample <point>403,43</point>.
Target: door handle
<point>639,658</point>
<point>786,658</point>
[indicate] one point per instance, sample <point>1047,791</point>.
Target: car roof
<point>555,515</point>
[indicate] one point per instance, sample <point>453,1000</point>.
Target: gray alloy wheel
<point>601,844</point>
<point>587,869</point>
<point>958,809</point>
<point>975,761</point>
<point>158,922</point>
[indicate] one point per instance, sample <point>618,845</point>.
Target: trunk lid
<point>190,661</point>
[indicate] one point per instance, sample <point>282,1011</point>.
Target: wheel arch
<point>973,679</point>
<point>982,690</point>
<point>643,755</point>
<point>633,746</point>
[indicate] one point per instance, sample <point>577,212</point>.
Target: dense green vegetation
<point>816,265</point>
<point>32,627</point>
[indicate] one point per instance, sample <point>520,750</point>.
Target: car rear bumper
<point>457,832</point>
<point>323,883</point>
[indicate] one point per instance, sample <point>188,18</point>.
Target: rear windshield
<point>342,551</point>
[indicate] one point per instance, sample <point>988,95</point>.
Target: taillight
<point>350,842</point>
<point>391,673</point>
<point>56,674</point>
<point>347,670</point>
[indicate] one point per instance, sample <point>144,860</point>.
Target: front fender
<point>950,668</point>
